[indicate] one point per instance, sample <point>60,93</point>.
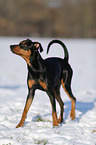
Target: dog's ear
<point>38,46</point>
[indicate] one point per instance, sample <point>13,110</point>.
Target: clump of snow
<point>38,127</point>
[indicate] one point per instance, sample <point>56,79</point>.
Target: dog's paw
<point>60,120</point>
<point>19,125</point>
<point>72,116</point>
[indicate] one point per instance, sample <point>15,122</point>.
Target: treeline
<point>48,18</point>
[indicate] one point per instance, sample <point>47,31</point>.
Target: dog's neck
<point>36,63</point>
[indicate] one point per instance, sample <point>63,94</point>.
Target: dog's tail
<point>66,56</point>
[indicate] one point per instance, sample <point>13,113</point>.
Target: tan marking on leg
<point>27,106</point>
<point>43,85</point>
<point>72,114</point>
<point>31,83</point>
<point>60,120</point>
<point>54,116</point>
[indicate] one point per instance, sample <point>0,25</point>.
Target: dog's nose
<point>11,47</point>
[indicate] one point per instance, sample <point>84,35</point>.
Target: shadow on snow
<point>81,108</point>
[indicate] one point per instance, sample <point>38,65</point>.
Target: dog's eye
<point>29,44</point>
<point>22,45</point>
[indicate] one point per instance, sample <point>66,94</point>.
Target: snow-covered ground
<point>38,127</point>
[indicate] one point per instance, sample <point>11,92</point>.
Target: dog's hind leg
<point>61,103</point>
<point>66,83</point>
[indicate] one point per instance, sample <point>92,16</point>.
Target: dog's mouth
<point>23,53</point>
<point>15,49</point>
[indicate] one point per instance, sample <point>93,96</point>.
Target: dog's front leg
<point>27,106</point>
<point>53,104</point>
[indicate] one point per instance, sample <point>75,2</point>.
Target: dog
<point>46,75</point>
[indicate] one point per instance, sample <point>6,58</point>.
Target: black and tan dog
<point>46,75</point>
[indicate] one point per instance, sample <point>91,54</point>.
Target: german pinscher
<point>47,75</point>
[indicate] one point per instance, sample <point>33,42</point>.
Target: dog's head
<point>26,48</point>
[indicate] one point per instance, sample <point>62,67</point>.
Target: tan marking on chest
<point>31,83</point>
<point>43,85</point>
<point>26,55</point>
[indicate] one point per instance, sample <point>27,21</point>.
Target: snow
<point>38,127</point>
